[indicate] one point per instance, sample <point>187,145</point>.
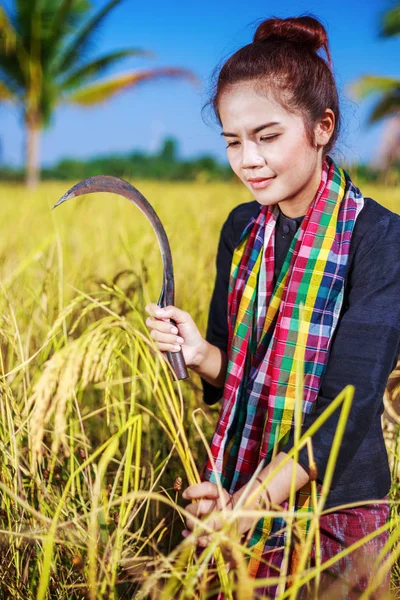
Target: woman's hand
<point>170,338</point>
<point>209,500</point>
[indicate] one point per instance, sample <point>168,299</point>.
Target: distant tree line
<point>166,165</point>
<point>163,165</point>
<point>44,62</point>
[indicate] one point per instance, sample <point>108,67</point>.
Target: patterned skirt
<point>348,577</point>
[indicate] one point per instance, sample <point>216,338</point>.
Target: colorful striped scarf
<point>263,322</point>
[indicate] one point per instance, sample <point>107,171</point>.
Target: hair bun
<point>304,30</point>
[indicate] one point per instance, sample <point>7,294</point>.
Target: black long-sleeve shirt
<point>364,349</point>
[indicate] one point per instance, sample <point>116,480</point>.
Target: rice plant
<point>97,438</point>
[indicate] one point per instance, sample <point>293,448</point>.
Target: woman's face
<point>268,149</point>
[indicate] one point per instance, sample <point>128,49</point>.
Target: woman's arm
<point>279,486</point>
<point>276,492</point>
<point>211,364</point>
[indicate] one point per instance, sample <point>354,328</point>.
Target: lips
<point>258,183</point>
<point>258,179</point>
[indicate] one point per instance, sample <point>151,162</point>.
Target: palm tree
<point>387,105</point>
<point>43,45</point>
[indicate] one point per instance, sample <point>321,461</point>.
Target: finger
<point>166,338</point>
<point>168,347</point>
<point>202,507</point>
<point>192,525</point>
<point>206,489</point>
<point>163,326</point>
<point>215,523</point>
<point>199,510</point>
<point>172,312</point>
<point>203,541</point>
<point>151,308</point>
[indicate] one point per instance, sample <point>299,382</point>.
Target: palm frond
<point>373,84</point>
<point>387,106</point>
<point>68,14</point>
<point>8,35</point>
<point>65,17</point>
<point>9,81</point>
<point>5,93</point>
<point>391,22</point>
<point>97,67</point>
<point>77,46</point>
<point>102,91</point>
<point>14,60</point>
<point>48,100</point>
<point>30,20</point>
<point>14,67</point>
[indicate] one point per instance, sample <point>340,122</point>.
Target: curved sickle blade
<point>114,185</point>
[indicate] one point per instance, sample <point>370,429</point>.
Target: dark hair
<point>283,59</point>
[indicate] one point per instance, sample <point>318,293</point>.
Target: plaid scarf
<point>263,322</point>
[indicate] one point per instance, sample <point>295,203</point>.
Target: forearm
<point>210,497</point>
<point>211,364</point>
<point>278,488</point>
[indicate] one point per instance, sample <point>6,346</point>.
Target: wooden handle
<point>177,362</point>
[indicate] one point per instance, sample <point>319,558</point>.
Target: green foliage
<point>391,22</point>
<point>363,172</point>
<point>164,165</point>
<point>169,151</point>
<point>387,88</point>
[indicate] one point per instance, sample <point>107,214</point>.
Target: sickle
<point>114,185</point>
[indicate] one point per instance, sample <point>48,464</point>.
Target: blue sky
<point>198,35</point>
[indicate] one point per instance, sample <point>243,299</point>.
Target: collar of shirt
<point>287,224</point>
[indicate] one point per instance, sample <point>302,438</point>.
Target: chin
<point>265,197</point>
<point>264,203</point>
<point>264,200</point>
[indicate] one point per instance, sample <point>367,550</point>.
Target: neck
<point>298,205</point>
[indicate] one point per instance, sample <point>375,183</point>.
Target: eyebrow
<point>253,131</point>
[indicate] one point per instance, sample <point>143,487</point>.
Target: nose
<point>251,157</point>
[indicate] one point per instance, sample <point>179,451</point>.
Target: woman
<point>309,238</point>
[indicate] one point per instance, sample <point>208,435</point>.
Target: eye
<point>269,138</point>
<point>231,144</point>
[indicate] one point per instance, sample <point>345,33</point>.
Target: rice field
<point>96,438</point>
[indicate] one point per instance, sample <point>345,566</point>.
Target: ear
<point>324,128</point>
